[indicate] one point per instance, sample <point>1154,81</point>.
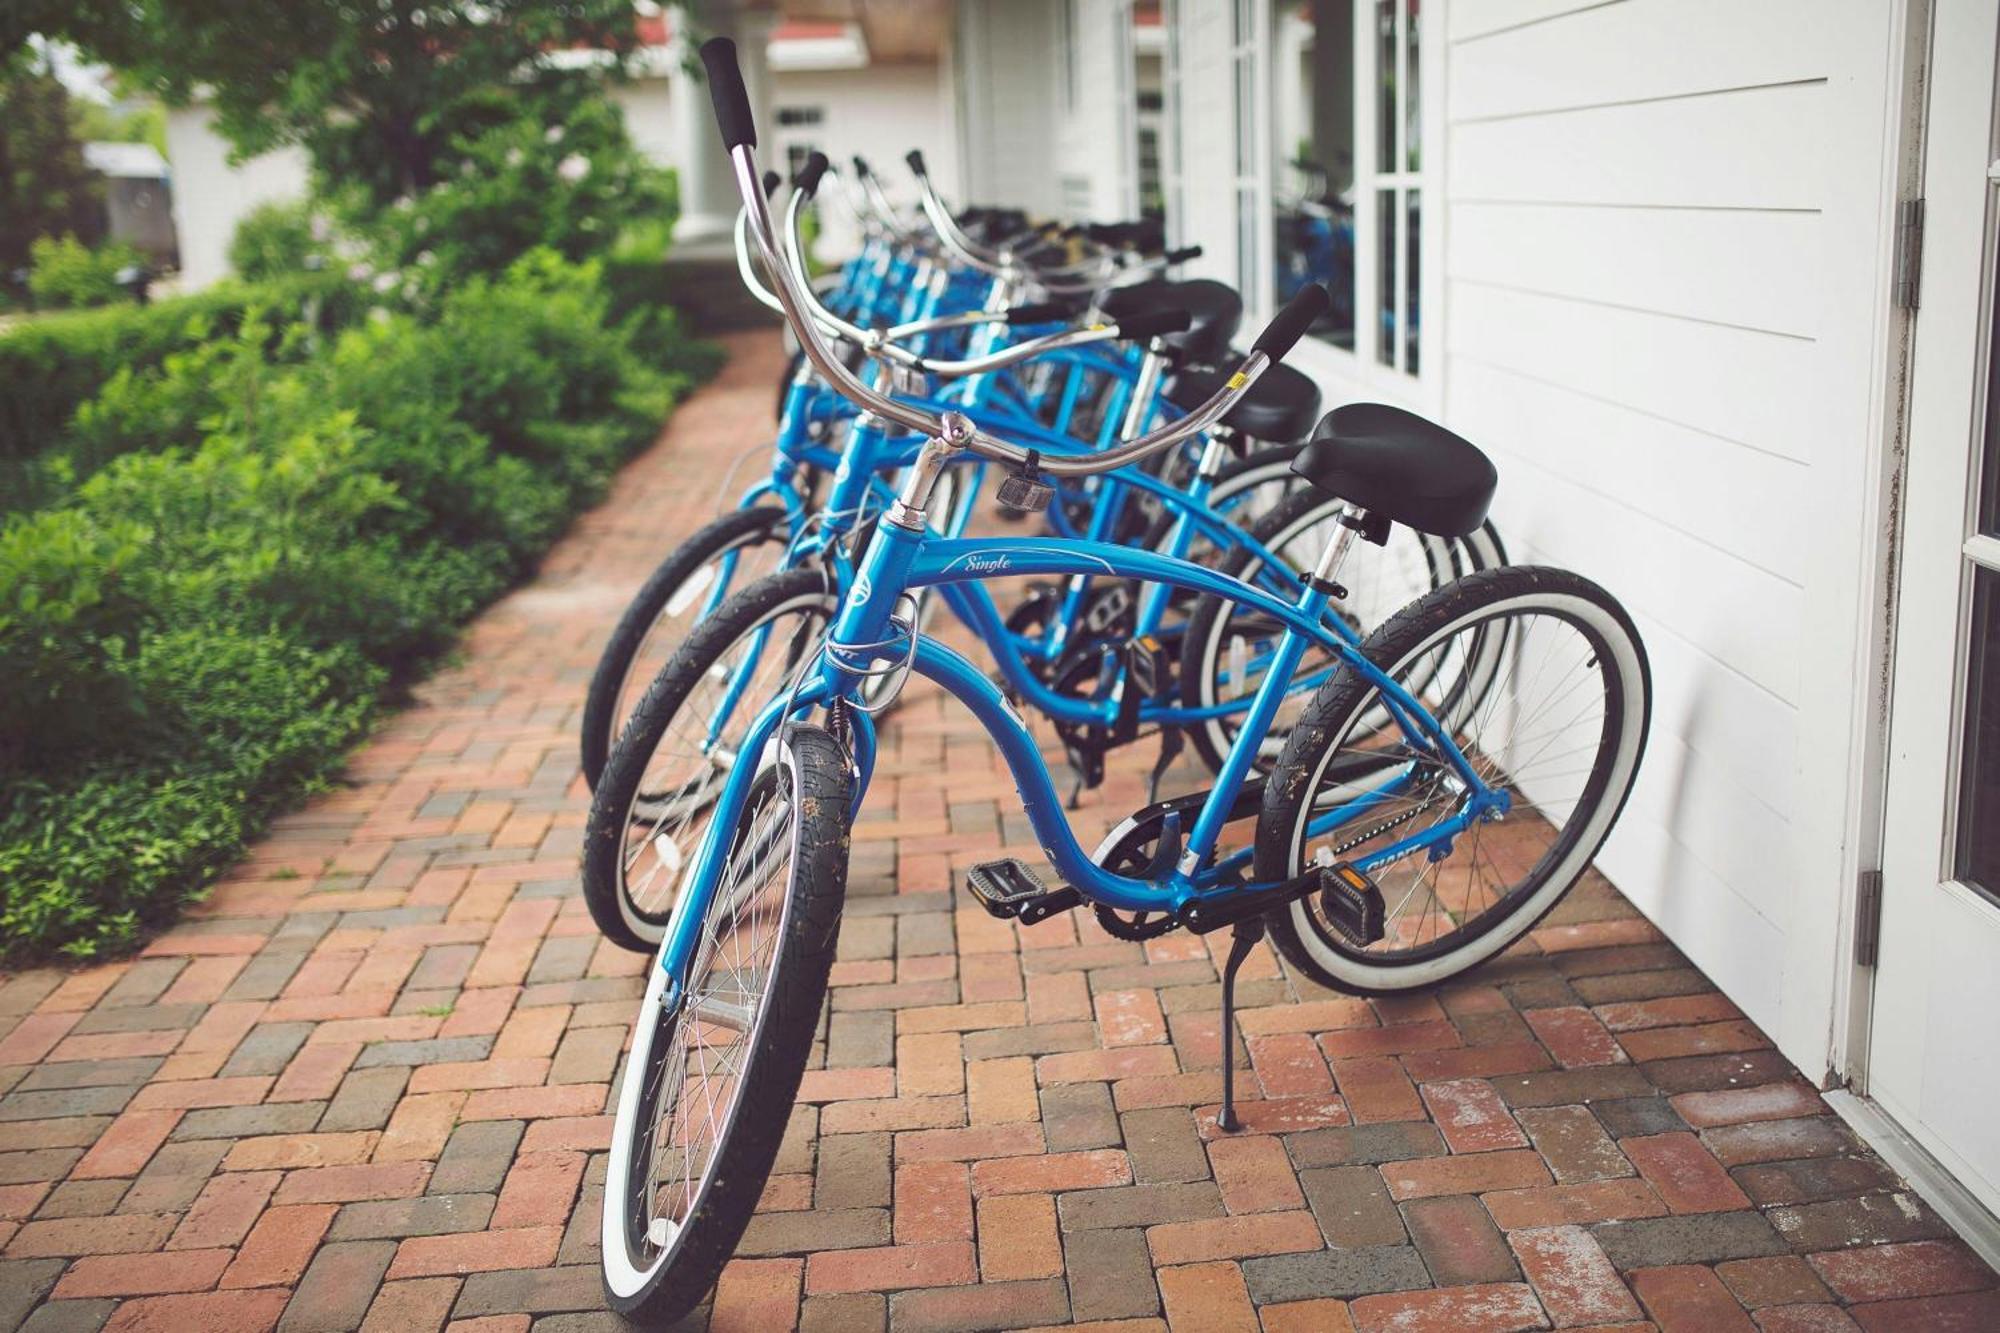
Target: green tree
<point>376,92</point>
<point>45,188</point>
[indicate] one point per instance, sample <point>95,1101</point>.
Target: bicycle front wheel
<point>714,1071</point>
<point>1540,680</point>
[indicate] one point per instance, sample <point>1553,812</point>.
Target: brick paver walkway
<point>363,1086</point>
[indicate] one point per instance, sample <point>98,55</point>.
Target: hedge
<point>282,521</point>
<point>54,362</point>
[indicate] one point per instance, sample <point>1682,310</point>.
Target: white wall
<point>1008,102</point>
<point>648,118</point>
<point>211,195</point>
<point>1664,315</point>
<point>1661,310</point>
<point>881,113</point>
<point>1094,135</point>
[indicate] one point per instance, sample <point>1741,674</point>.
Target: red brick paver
<point>365,1085</point>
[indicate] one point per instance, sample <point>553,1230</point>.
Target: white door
<point>1934,1062</point>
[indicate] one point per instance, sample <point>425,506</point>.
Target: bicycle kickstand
<point>1243,938</point>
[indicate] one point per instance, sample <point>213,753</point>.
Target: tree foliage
<point>45,188</point>
<point>377,91</point>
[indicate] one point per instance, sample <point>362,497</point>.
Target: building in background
<point>138,203</point>
<point>824,86</point>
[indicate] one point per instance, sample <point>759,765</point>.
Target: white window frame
<point>1360,367</point>
<point>1172,168</point>
<point>1250,147</point>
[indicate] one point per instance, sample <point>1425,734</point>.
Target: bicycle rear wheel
<point>1229,645</point>
<point>713,1073</point>
<point>1541,681</point>
<point>732,552</point>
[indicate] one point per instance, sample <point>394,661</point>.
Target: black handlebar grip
<point>915,157</point>
<point>1184,254</point>
<point>807,181</point>
<point>725,89</point>
<point>862,170</point>
<point>1154,324</point>
<point>1043,312</point>
<point>772,180</point>
<point>1292,322</point>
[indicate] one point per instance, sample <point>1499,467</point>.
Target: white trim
<point>1932,1181</point>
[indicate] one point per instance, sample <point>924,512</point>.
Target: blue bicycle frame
<point>899,560</point>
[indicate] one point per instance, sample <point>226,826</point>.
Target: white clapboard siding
<point>1639,327</point>
<point>1008,93</point>
<point>1639,51</point>
<point>1208,138</point>
<point>1753,388</point>
<point>1745,618</point>
<point>1483,18</point>
<point>1742,148</point>
<point>1738,947</point>
<point>1644,462</point>
<point>1754,270</point>
<point>1729,830</point>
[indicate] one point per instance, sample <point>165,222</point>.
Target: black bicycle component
<point>1024,493</point>
<point>1352,902</point>
<point>726,91</point>
<point>806,181</point>
<point>1009,890</point>
<point>1245,939</point>
<point>1107,613</point>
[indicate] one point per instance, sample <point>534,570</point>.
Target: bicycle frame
<point>900,560</point>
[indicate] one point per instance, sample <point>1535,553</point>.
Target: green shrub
<point>275,240</point>
<point>564,176</point>
<point>264,526</point>
<point>238,724</point>
<point>64,272</point>
<point>53,364</point>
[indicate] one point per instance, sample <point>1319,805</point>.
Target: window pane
<point>1978,853</point>
<point>1412,247</point>
<point>1385,341</point>
<point>1312,140</point>
<point>1387,115</point>
<point>1413,137</point>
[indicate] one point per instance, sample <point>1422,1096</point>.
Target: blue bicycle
<point>1435,799</point>
<point>1206,505</point>
<point>1107,662</point>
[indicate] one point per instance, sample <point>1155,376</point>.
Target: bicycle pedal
<point>1008,889</point>
<point>1351,902</point>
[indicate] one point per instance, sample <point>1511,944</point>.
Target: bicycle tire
<point>657,1290</point>
<point>1468,604</point>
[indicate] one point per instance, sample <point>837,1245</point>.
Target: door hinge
<point>1909,252</point>
<point>1868,918</point>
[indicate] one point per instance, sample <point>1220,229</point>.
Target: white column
<point>707,182</point>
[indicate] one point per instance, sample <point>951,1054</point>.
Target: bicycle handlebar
<point>807,181</point>
<point>733,118</point>
<point>726,91</point>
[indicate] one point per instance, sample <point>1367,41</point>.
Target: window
<point>1247,88</point>
<point>1347,163</point>
<point>790,116</point>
